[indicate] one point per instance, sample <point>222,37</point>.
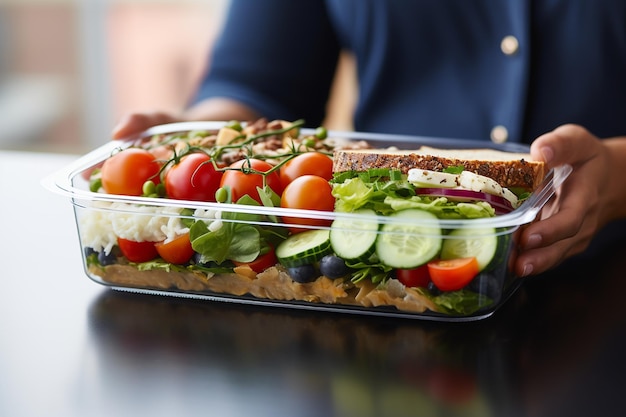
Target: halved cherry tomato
<point>261,263</point>
<point>125,172</point>
<point>137,251</point>
<point>177,251</point>
<point>453,274</point>
<point>308,192</point>
<point>310,163</point>
<point>242,183</point>
<point>415,277</point>
<point>193,178</point>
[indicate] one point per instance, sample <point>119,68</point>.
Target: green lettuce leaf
<point>385,196</point>
<point>351,195</point>
<point>442,208</point>
<point>232,241</point>
<point>463,302</point>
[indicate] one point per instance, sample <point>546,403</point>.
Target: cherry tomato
<point>453,274</point>
<point>177,251</point>
<point>415,277</point>
<point>241,183</point>
<point>193,178</point>
<point>308,192</point>
<point>310,163</point>
<point>137,251</point>
<point>126,171</point>
<point>261,263</point>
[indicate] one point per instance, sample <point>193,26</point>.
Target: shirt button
<point>509,45</point>
<point>499,134</point>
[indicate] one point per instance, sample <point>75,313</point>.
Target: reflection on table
<point>530,358</point>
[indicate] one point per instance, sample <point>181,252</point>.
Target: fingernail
<point>547,153</point>
<point>528,269</point>
<point>533,241</point>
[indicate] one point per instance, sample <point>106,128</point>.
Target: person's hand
<point>134,123</point>
<point>217,108</point>
<point>581,206</point>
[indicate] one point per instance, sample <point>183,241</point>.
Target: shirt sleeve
<point>276,56</point>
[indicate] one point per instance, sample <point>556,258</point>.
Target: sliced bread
<point>511,170</point>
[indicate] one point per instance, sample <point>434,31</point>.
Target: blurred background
<point>69,69</point>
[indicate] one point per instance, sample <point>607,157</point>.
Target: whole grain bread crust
<point>511,170</point>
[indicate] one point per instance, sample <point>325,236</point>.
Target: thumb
<point>567,144</point>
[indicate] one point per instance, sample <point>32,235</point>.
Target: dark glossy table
<point>70,347</point>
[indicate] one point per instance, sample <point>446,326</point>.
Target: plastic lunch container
<point>99,216</point>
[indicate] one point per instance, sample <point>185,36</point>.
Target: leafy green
<point>158,263</point>
<point>234,241</point>
<point>454,169</point>
<point>443,208</point>
<point>352,195</point>
<point>92,260</point>
<point>385,197</point>
<point>463,302</point>
<point>372,270</point>
<point>186,217</point>
<point>269,199</point>
<point>237,238</point>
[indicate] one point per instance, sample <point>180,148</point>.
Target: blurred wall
<point>39,72</point>
<point>69,69</point>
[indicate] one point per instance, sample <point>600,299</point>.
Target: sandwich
<point>459,174</point>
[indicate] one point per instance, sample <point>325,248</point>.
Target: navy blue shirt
<point>431,67</point>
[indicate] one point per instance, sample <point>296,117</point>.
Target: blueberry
<point>333,267</point>
<point>88,251</point>
<point>303,274</point>
<point>107,259</point>
<point>433,289</point>
<point>487,284</point>
<point>197,258</point>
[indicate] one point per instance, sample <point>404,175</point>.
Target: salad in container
<point>271,213</point>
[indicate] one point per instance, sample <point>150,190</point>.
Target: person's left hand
<point>581,206</point>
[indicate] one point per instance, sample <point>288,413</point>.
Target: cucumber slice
<point>503,251</point>
<point>480,243</point>
<point>411,244</point>
<point>353,239</point>
<point>303,248</point>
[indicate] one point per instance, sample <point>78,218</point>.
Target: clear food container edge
<point>69,182</point>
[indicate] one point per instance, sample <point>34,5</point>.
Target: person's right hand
<point>591,197</point>
<point>134,123</point>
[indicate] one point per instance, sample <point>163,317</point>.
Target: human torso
<point>461,69</point>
